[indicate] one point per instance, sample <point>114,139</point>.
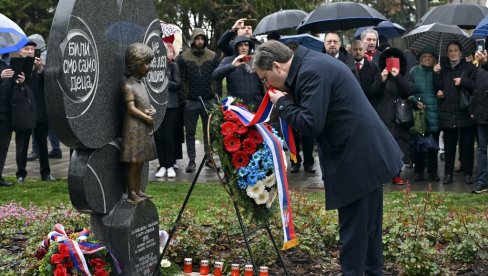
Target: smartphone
<point>37,53</point>
<point>246,59</point>
<point>480,44</point>
<point>249,22</point>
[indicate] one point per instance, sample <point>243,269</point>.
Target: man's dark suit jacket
<point>357,152</point>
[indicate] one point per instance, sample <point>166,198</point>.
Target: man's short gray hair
<point>367,31</point>
<point>268,52</point>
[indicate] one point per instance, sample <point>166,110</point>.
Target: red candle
<point>235,270</point>
<point>263,271</point>
<point>218,268</point>
<point>187,267</point>
<point>204,270</point>
<point>248,270</point>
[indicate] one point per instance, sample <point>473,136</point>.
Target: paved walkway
<point>297,181</point>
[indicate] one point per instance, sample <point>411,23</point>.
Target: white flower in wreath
<point>262,198</point>
<point>256,190</point>
<point>269,181</point>
<point>272,196</point>
<point>165,263</point>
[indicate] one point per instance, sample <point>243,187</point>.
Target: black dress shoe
<point>55,155</point>
<point>434,177</point>
<point>308,168</point>
<point>5,183</point>
<point>447,179</point>
<point>20,180</point>
<point>48,178</point>
<point>32,156</point>
<point>191,167</point>
<point>468,179</point>
<point>294,168</point>
<point>418,177</point>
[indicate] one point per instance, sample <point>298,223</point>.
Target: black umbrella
<point>340,16</point>
<point>439,35</point>
<point>280,20</point>
<point>464,15</point>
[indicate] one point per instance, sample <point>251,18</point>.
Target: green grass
<point>172,195</point>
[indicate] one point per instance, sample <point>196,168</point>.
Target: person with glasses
<point>357,153</point>
<point>333,47</point>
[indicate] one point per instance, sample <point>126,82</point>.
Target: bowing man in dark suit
<point>329,105</point>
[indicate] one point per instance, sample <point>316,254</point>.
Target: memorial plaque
<point>97,179</point>
<point>132,232</point>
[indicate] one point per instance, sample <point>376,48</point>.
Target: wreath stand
<point>236,208</point>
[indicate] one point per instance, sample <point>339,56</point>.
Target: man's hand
<point>384,75</point>
<point>275,95</point>
<point>238,60</point>
<point>457,81</point>
<point>239,24</point>
<point>437,68</point>
<point>21,78</point>
<point>481,57</point>
<point>38,64</point>
<point>440,94</point>
<point>7,74</point>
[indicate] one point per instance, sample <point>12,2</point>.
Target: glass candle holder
<point>248,270</point>
<point>235,271</point>
<point>204,269</point>
<point>263,271</point>
<point>187,266</point>
<point>218,268</point>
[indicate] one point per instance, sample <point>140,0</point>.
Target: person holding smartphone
<point>242,27</point>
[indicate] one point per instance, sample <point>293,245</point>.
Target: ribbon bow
<point>77,248</point>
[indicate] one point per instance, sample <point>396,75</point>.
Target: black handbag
<point>403,113</point>
<point>464,99</point>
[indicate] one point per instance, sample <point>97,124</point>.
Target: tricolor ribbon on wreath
<point>262,115</point>
<point>78,247</point>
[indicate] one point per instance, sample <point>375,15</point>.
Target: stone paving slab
<point>301,181</point>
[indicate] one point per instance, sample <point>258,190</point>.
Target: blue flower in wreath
<point>242,183</point>
<point>252,178</point>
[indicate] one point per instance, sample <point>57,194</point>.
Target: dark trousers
<point>305,144</point>
<point>431,156</point>
<point>360,232</point>
<point>53,140</point>
<point>191,120</point>
<point>5,136</point>
<point>164,138</point>
<point>466,147</point>
<point>22,145</point>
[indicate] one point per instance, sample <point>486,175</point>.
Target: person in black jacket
<point>368,72</point>
<point>225,43</point>
<point>196,67</point>
<point>452,75</point>
<point>479,111</point>
<point>333,47</point>
<point>36,83</point>
<point>166,143</point>
<point>241,81</point>
<point>357,152</point>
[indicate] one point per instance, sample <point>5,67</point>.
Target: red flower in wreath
<point>228,128</point>
<point>230,116</point>
<point>249,146</point>
<point>57,258</point>
<point>60,270</point>
<point>232,143</point>
<point>240,159</point>
<point>100,272</point>
<point>255,136</point>
<point>98,263</point>
<point>40,253</point>
<point>63,250</point>
<point>241,129</point>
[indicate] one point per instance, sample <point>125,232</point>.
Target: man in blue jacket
<point>357,152</point>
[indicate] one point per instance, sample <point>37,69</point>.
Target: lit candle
<point>204,270</point>
<point>218,268</point>
<point>248,270</point>
<point>263,271</point>
<point>235,270</point>
<point>187,267</point>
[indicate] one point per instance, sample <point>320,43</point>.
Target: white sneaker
<point>171,173</point>
<point>161,172</point>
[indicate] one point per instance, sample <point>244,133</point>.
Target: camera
<point>480,45</point>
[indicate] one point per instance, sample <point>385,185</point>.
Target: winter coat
<point>369,78</point>
<point>424,91</point>
<point>174,86</point>
<point>357,153</point>
<point>5,91</point>
<point>196,68</point>
<point>347,59</point>
<point>451,115</point>
<point>385,97</point>
<point>241,81</point>
<point>479,101</point>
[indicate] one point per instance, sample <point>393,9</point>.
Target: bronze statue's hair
<point>268,52</point>
<point>136,54</point>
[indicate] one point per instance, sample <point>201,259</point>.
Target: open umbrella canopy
<point>340,16</point>
<point>464,15</point>
<point>308,41</point>
<point>439,35</point>
<point>481,31</point>
<point>12,38</point>
<point>280,20</point>
<point>386,28</point>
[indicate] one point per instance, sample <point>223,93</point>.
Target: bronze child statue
<point>137,141</point>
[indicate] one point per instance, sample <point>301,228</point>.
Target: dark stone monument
<point>84,74</point>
